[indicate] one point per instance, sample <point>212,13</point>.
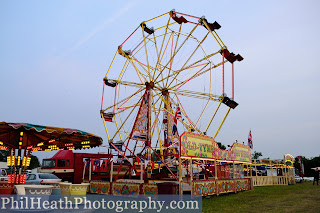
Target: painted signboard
<point>195,145</point>
<point>201,146</point>
<point>241,152</point>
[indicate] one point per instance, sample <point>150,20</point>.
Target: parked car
<point>298,179</point>
<point>37,178</point>
<point>3,174</point>
<point>308,178</point>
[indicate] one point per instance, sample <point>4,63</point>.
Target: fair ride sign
<point>201,146</point>
<point>194,145</point>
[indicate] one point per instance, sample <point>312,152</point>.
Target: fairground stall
<point>21,139</point>
<point>273,172</point>
<point>217,171</point>
<point>171,75</point>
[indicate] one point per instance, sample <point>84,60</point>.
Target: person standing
<point>316,176</point>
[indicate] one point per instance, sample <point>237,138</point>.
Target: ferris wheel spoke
<point>192,54</point>
<point>175,53</point>
<point>209,69</point>
<point>145,47</point>
<point>202,113</point>
<point>189,124</point>
<point>156,115</point>
<point>194,94</point>
<point>179,85</point>
<point>164,37</point>
<point>215,35</point>
<point>173,50</point>
<point>124,68</point>
<point>122,123</point>
<point>159,64</point>
<point>139,73</point>
<point>197,75</point>
<point>128,83</point>
<point>145,68</point>
<point>123,100</point>
<point>207,58</point>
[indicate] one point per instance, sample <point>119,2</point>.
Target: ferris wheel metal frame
<point>159,84</point>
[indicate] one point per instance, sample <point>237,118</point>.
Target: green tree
<point>34,162</point>
<point>256,155</point>
<point>3,155</point>
<point>308,163</point>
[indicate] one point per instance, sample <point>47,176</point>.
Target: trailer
<point>75,167</point>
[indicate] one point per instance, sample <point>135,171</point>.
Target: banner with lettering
<point>201,146</point>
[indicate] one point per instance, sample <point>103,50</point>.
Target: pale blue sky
<point>54,55</point>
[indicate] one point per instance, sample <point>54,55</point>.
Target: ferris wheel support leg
<point>222,123</point>
<point>180,177</point>
<point>141,172</point>
<point>191,175</point>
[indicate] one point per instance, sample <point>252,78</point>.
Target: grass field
<point>302,197</point>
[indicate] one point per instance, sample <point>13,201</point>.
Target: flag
<point>178,113</point>
<point>108,116</point>
<point>174,129</point>
<point>250,140</point>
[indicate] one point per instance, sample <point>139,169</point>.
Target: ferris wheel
<point>166,78</point>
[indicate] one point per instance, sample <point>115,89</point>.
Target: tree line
<point>308,164</point>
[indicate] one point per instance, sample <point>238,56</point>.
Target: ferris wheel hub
<point>150,85</point>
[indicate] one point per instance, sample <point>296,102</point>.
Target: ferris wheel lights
<point>147,29</point>
<point>110,83</point>
<point>230,103</point>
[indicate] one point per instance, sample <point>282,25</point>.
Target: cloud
<point>100,27</point>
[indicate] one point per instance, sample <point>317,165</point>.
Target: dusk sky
<point>55,54</point>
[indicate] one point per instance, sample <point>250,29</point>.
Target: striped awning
<point>44,138</point>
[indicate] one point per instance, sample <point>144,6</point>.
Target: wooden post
<point>234,175</point>
<point>90,170</point>
<point>141,171</point>
<point>180,177</point>
<point>271,169</point>
<point>191,176</point>
<point>216,177</point>
<point>215,170</point>
<point>84,171</point>
<point>255,165</point>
